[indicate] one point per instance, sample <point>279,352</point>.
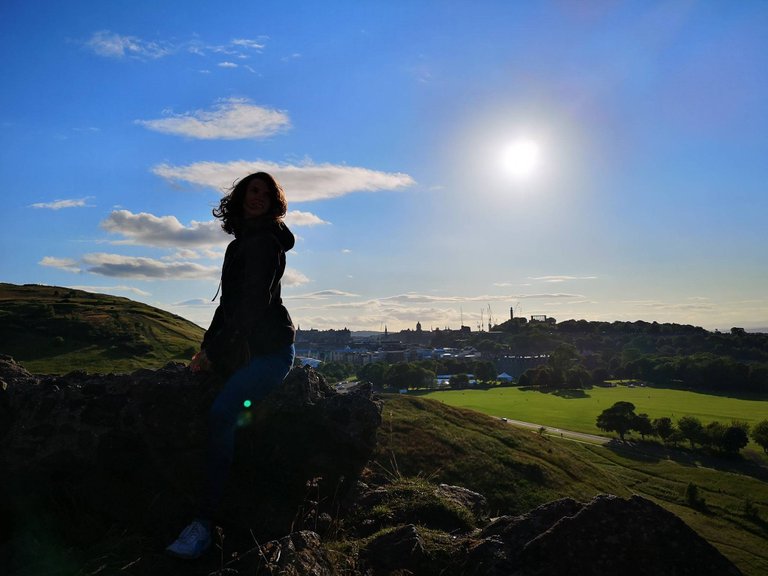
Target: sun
<point>521,158</point>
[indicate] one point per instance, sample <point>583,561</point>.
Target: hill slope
<point>55,330</point>
<point>517,469</point>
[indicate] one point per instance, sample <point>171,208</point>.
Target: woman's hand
<point>200,362</point>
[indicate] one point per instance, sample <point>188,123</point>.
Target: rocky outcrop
<point>84,454</point>
<point>127,450</point>
<point>606,536</point>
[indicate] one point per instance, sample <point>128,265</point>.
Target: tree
<point>375,373</point>
<point>406,375</point>
<point>734,439</point>
<point>691,429</point>
<point>578,377</point>
<point>643,425</point>
<point>459,381</point>
<point>712,435</point>
<point>618,418</point>
<point>564,357</point>
<point>485,371</point>
<point>663,427</point>
<point>760,434</point>
<point>599,376</point>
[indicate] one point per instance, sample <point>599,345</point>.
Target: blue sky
<point>442,159</point>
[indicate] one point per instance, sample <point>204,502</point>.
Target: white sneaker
<point>193,541</point>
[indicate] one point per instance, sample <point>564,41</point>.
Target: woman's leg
<point>244,388</point>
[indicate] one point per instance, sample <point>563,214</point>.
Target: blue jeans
<point>230,409</point>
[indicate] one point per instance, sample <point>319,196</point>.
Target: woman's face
<point>256,200</point>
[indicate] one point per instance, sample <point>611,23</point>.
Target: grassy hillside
<point>517,469</point>
<point>56,330</point>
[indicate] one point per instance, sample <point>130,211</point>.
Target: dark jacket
<point>251,308</point>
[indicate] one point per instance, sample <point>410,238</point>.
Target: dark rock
<point>128,449</point>
<point>633,533</point>
<point>472,501</point>
<point>607,536</point>
<point>298,554</point>
<point>398,549</point>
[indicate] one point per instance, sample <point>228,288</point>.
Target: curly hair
<point>230,209</point>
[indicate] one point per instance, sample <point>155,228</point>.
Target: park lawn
<point>579,410</point>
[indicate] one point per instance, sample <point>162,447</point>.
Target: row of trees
<point>420,374</point>
<point>665,354</point>
<point>727,438</point>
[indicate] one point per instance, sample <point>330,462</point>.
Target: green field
<point>579,411</point>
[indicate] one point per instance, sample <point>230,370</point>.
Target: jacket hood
<point>275,227</point>
<point>284,235</point>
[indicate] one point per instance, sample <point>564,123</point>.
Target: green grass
<point>56,330</point>
<point>517,469</point>
<point>662,475</point>
<point>579,410</point>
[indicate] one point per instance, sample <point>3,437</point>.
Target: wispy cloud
<point>659,306</point>
<point>59,204</point>
<point>302,183</point>
<point>112,45</point>
<point>324,295</point>
<point>227,65</point>
<point>248,43</point>
<point>561,278</point>
<point>66,264</point>
<point>334,308</point>
<point>163,231</point>
<point>230,119</point>
<point>120,289</point>
<point>424,298</point>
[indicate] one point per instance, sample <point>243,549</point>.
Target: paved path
<point>568,434</point>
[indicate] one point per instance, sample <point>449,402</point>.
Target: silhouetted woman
<point>250,339</point>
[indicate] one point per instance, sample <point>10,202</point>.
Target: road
<point>559,432</point>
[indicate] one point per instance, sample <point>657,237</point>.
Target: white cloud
<point>165,231</point>
<point>121,289</point>
<point>67,264</point>
<point>230,119</point>
<point>299,218</point>
<point>59,204</point>
<point>227,65</point>
<point>183,254</point>
<point>119,266</point>
<point>111,45</point>
<point>346,251</point>
<point>293,277</point>
<point>302,183</point>
<point>248,43</point>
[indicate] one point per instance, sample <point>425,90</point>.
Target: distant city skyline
<point>580,160</point>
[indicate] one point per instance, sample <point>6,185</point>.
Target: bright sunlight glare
<point>521,158</point>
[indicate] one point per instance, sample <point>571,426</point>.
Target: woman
<point>250,340</point>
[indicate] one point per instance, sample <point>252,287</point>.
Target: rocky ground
<point>101,472</point>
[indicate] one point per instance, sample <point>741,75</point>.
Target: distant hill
<point>56,330</point>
